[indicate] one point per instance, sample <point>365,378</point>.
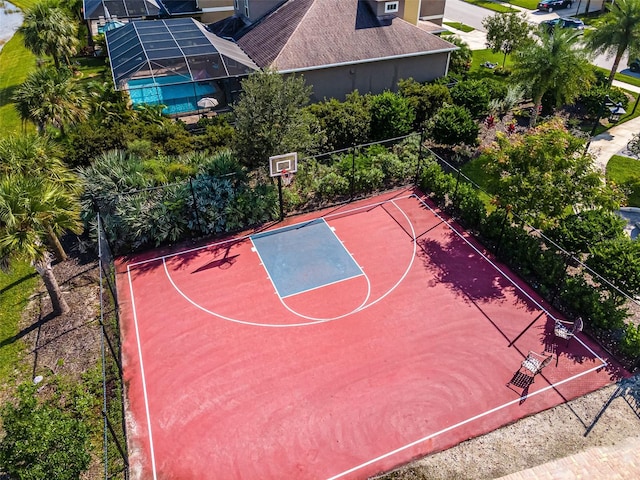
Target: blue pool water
<point>179,98</point>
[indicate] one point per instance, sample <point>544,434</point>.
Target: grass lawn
<point>460,26</point>
<point>15,289</point>
<point>15,64</point>
<point>24,4</point>
<point>474,170</point>
<point>606,125</point>
<point>496,7</point>
<point>477,71</point>
<point>626,171</point>
<point>621,77</point>
<point>528,4</point>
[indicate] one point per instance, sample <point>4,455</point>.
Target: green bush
<point>425,99</point>
<point>332,185</point>
<point>577,232</point>
<point>469,205</point>
<point>453,125</point>
<point>599,308</point>
<point>593,99</point>
<point>630,343</point>
<point>474,95</point>
<point>43,440</point>
<point>391,116</point>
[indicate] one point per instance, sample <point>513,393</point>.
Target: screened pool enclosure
<point>175,63</point>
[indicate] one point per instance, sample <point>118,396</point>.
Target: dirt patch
<point>605,417</point>
<point>67,345</point>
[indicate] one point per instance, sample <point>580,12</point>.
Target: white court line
<point>239,239</point>
<point>312,320</point>
<point>505,275</point>
<point>459,424</point>
<point>144,382</point>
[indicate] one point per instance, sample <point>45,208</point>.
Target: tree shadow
<point>17,282</point>
<point>574,351</point>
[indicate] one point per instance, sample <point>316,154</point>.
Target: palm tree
<point>618,33</point>
<point>38,157</point>
<point>33,212</point>
<point>554,63</point>
<point>48,29</point>
<point>51,97</point>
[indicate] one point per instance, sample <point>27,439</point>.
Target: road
<point>459,11</point>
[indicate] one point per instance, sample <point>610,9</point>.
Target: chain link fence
<point>116,461</point>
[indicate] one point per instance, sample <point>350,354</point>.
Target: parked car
<point>564,22</point>
<point>551,5</point>
<point>634,65</point>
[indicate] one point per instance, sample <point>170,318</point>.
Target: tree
<point>425,99</point>
<point>556,64</point>
<point>460,60</point>
<point>47,29</point>
<point>33,212</point>
<point>544,173</point>
<point>453,125</point>
<point>42,440</point>
<point>507,32</point>
<point>619,32</point>
<point>270,119</point>
<point>391,116</point>
<point>51,97</point>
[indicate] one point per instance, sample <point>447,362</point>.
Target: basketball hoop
<point>286,177</point>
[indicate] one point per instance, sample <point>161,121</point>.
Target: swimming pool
<point>178,97</point>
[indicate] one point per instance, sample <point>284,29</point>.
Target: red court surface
<point>226,380</point>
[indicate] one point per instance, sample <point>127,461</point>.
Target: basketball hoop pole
<point>280,197</point>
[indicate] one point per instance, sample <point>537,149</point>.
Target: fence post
<point>504,224</point>
<point>455,190</point>
<point>419,164</point>
<point>195,205</point>
<point>353,173</point>
<point>280,198</point>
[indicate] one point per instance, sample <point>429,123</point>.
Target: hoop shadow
<point>629,390</point>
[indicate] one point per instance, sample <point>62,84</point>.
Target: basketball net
<point>286,177</point>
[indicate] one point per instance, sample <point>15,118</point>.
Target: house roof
<point>179,49</point>
<point>94,9</point>
<point>306,34</point>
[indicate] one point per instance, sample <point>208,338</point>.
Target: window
<point>391,7</point>
<point>246,8</point>
<point>236,5</point>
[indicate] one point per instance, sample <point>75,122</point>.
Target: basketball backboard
<point>286,163</point>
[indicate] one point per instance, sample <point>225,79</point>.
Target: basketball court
<point>333,345</point>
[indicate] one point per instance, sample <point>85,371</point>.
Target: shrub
<point>593,99</point>
<point>469,205</point>
<point>344,124</point>
<point>577,232</point>
<point>453,125</point>
<point>42,440</point>
<point>391,116</point>
<point>332,185</point>
<point>630,343</point>
<point>473,95</point>
<point>425,99</point>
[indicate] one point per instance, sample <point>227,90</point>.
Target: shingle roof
<point>304,34</point>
